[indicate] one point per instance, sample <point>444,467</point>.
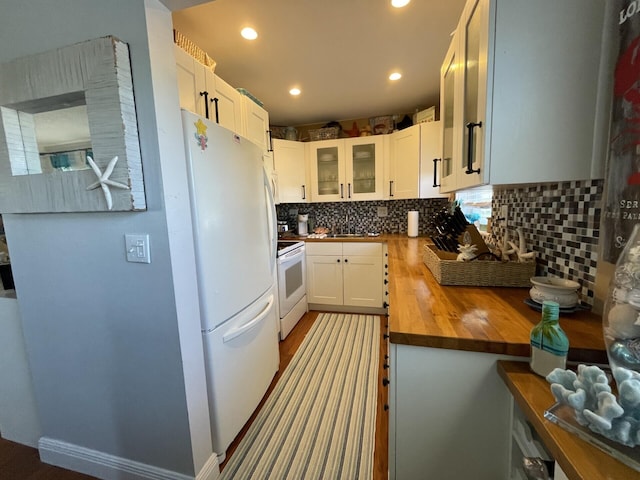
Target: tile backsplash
<point>560,222</point>
<point>363,216</point>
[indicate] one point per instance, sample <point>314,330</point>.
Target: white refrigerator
<point>233,217</point>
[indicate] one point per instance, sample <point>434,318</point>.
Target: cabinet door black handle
<point>435,172</point>
<point>342,190</point>
<point>391,188</point>
<point>349,190</point>
<point>205,94</point>
<point>470,127</point>
<point>304,193</point>
<point>270,149</point>
<point>346,260</point>
<point>214,100</point>
<point>338,260</point>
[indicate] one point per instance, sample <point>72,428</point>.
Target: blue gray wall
<point>113,361</point>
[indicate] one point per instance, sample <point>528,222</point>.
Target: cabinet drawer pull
<point>435,172</point>
<point>338,260</point>
<point>304,193</point>
<point>391,188</point>
<point>346,260</point>
<point>205,94</point>
<point>471,126</point>
<point>270,149</point>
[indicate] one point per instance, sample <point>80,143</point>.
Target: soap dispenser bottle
<point>549,343</point>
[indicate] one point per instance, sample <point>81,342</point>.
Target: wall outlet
<point>504,211</point>
<point>293,212</point>
<point>382,211</point>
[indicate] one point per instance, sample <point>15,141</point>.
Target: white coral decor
<point>589,394</point>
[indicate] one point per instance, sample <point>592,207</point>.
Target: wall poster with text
<point>622,199</point>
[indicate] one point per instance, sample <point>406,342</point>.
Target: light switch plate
<point>137,248</point>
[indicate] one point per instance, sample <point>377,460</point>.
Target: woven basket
<point>328,133</point>
<point>479,273</point>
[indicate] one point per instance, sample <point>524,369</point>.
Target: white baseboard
<point>111,467</point>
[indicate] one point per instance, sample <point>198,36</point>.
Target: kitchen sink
<point>346,235</point>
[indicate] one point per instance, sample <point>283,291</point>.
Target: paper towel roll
<point>412,223</point>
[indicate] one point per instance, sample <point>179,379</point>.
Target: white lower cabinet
<point>346,274</point>
<point>449,415</point>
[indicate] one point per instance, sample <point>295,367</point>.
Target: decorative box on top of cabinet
<point>346,169</point>
<point>290,166</point>
<point>524,93</point>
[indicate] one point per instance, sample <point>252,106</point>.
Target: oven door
<point>291,279</point>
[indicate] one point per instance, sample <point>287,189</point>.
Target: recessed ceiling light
<point>294,91</point>
<point>399,3</point>
<point>395,76</point>
<point>249,33</point>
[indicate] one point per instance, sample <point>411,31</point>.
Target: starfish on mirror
<point>104,181</point>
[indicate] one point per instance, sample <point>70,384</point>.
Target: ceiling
<point>338,52</point>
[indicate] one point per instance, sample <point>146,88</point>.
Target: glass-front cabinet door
<point>474,42</point>
<point>364,168</point>
<point>448,77</point>
<point>327,170</point>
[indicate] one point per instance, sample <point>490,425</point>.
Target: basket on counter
<point>478,273</point>
<point>327,133</point>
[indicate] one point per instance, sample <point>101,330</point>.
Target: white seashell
<point>622,318</point>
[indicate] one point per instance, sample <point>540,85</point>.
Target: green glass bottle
<point>549,343</point>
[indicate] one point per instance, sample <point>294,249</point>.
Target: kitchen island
<point>450,407</point>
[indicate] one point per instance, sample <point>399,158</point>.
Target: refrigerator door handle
<point>272,227</point>
<point>236,332</point>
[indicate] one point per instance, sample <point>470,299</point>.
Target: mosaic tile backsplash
<point>560,222</point>
<point>363,216</point>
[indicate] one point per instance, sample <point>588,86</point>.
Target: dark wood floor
<point>20,462</point>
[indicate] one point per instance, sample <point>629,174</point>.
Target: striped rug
<point>319,421</point>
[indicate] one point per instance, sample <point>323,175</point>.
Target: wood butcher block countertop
<point>481,319</point>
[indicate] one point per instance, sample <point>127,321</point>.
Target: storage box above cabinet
<point>522,96</point>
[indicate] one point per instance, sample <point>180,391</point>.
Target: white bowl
<point>564,292</point>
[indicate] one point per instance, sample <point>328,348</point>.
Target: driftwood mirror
<point>68,131</point>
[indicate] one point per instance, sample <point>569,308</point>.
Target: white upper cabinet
<point>290,165</point>
<point>346,169</point>
<point>326,165</point>
<point>192,82</point>
<point>255,123</point>
<point>364,167</point>
<point>409,162</point>
<point>430,150</point>
<point>204,93</point>
<point>225,105</point>
<point>520,93</point>
<point>402,172</point>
